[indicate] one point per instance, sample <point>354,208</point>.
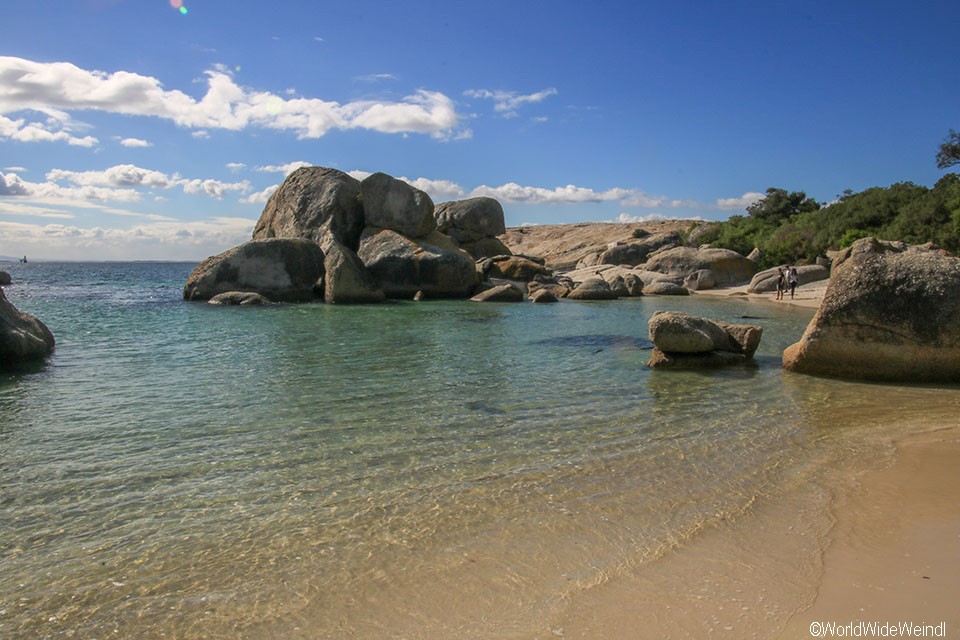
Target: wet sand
<point>808,296</point>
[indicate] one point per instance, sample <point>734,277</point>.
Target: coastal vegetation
<point>791,227</point>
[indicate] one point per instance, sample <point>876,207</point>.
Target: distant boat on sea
<point>23,260</point>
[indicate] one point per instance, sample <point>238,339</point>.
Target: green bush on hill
<point>790,227</point>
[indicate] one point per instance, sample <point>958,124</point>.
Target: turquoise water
<point>184,470</point>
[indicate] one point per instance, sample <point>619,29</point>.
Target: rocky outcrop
<point>684,341</point>
<point>500,293</point>
<point>239,298</point>
<point>315,203</point>
<point>403,266</point>
<point>393,204</point>
<point>5,279</point>
<point>281,269</point>
<point>515,268</point>
<point>891,312</point>
<point>23,338</point>
<point>347,280</point>
<point>473,224</point>
<point>558,288</point>
<point>729,267</point>
<point>700,279</point>
<point>593,289</point>
<point>637,252</point>
<point>766,281</point>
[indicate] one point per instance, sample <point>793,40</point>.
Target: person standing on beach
<point>792,280</point>
<point>781,283</point>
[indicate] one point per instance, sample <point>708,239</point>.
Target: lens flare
<point>176,4</point>
<point>183,10</point>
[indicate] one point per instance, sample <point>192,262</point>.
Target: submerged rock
<point>891,312</point>
<point>281,269</point>
<point>23,338</point>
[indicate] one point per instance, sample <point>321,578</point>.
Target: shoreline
<point>808,296</point>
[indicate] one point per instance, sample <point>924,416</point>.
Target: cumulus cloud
<point>285,169</point>
<point>736,204</point>
<point>50,131</point>
<point>236,166</point>
<point>570,194</point>
<point>124,175</point>
<point>12,185</point>
<point>64,87</point>
<point>506,103</point>
<point>135,142</point>
<point>213,188</point>
<point>650,217</point>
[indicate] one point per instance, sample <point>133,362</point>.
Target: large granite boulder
<point>485,248</point>
<point>347,280</point>
<point>595,288</point>
<point>470,220</point>
<point>314,203</point>
<point>393,204</point>
<point>5,279</point>
<point>281,269</point>
<point>700,280</point>
<point>766,281</point>
<point>728,267</point>
<point>23,338</point>
<point>891,312</point>
<point>404,266</point>
<point>634,253</point>
<point>685,341</point>
<point>665,288</point>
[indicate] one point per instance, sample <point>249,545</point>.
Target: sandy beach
<point>887,552</point>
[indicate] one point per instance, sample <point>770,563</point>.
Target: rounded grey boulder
<point>393,204</point>
<point>281,269</point>
<point>471,219</point>
<point>23,338</point>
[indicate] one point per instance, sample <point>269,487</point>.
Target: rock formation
<point>728,267</point>
<point>593,289</point>
<point>684,341</point>
<point>473,225</point>
<point>891,312</point>
<point>316,203</point>
<point>403,266</point>
<point>394,205</point>
<point>5,279</point>
<point>239,298</point>
<point>636,252</point>
<point>347,280</point>
<point>23,338</point>
<point>281,269</point>
<point>514,268</point>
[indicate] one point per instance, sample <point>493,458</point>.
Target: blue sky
<point>155,129</point>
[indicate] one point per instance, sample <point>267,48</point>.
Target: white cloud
<point>376,77</point>
<point>16,209</point>
<point>201,134</point>
<point>236,167</point>
<point>12,185</point>
<point>213,188</point>
<point>124,175</point>
<point>17,169</point>
<point>651,217</point>
<point>506,103</point>
<point>735,204</point>
<point>62,87</point>
<point>515,193</point>
<point>168,240</point>
<point>260,197</point>
<point>50,131</point>
<point>285,169</point>
<point>135,142</point>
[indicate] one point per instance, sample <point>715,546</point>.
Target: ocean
<point>432,469</point>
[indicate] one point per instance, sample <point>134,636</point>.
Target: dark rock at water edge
<point>24,339</point>
<point>686,341</point>
<point>595,288</point>
<point>347,279</point>
<point>500,293</point>
<point>281,269</point>
<point>239,298</point>
<point>5,279</point>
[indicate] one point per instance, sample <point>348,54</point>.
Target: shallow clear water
<point>184,470</point>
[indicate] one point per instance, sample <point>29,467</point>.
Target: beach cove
<point>447,468</point>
